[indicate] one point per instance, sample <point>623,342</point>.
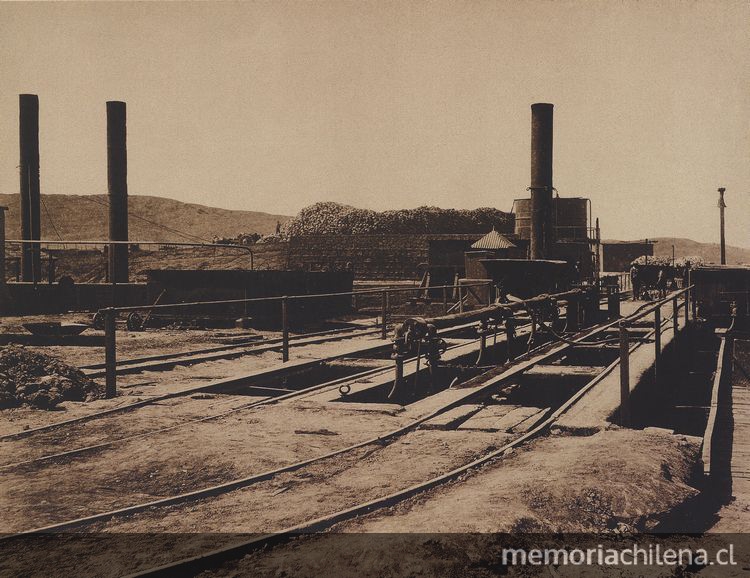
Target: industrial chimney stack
<point>541,240</point>
<point>117,182</point>
<point>31,265</point>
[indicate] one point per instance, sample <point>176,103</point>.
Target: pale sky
<point>272,106</point>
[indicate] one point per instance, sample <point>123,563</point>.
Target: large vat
<point>569,218</point>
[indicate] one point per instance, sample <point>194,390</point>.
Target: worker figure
<point>661,284</point>
<point>635,282</point>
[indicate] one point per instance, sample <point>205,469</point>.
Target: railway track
<point>108,439</point>
<point>193,565</point>
<point>170,360</point>
<point>246,381</point>
<point>234,381</point>
<point>275,396</point>
<point>376,444</point>
<point>379,441</point>
<point>462,349</point>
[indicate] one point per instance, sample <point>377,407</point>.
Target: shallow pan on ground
<point>55,329</point>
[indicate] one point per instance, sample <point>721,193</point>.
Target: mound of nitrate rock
<point>32,378</point>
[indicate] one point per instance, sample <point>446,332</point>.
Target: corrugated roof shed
<point>493,241</point>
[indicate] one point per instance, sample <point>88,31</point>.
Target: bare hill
<point>709,251</point>
<point>84,217</point>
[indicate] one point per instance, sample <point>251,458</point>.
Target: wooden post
<point>445,300</point>
<point>687,307</point>
<point>110,353</point>
<point>694,306</point>
<point>510,329</point>
<point>460,299</point>
<point>482,341</point>
<point>657,342</point>
<point>489,294</point>
<point>675,317</point>
<point>613,303</point>
<point>384,315</point>
<point>571,315</point>
<point>285,328</point>
<point>624,376</point>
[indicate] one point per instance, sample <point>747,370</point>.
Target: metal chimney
<point>31,266</point>
<point>117,183</point>
<point>541,239</point>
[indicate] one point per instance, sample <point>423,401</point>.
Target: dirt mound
<point>39,380</point>
<point>335,219</point>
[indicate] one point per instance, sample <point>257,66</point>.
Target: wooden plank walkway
<point>734,438</point>
<point>740,396</point>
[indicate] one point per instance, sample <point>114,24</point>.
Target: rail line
<point>227,382</point>
<point>318,388</point>
<point>214,558</point>
<point>237,380</point>
<point>170,360</point>
<point>271,399</point>
<point>520,365</point>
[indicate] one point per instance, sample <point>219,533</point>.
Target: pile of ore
<point>39,380</point>
<point>329,218</point>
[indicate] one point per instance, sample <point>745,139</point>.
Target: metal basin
<point>55,329</point>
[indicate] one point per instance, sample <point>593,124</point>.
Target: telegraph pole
<point>722,206</point>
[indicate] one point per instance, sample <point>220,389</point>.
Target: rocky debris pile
<point>336,219</point>
<point>654,261</point>
<point>31,378</point>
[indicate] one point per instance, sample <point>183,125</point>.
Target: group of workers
<point>639,287</point>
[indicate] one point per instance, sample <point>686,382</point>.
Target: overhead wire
<point>49,217</point>
<point>149,221</point>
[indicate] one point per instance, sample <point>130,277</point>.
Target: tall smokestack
<point>31,265</point>
<point>541,181</point>
<point>117,183</point>
<point>722,206</point>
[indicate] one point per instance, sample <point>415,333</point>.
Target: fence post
<point>384,315</point>
<point>445,300</point>
<point>510,332</point>
<point>571,315</point>
<point>657,342</point>
<point>460,298</point>
<point>624,376</point>
<point>675,317</point>
<point>482,341</point>
<point>694,307</point>
<point>687,307</point>
<point>613,302</point>
<point>285,328</point>
<point>110,353</point>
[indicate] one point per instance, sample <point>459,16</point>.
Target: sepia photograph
<point>375,288</point>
